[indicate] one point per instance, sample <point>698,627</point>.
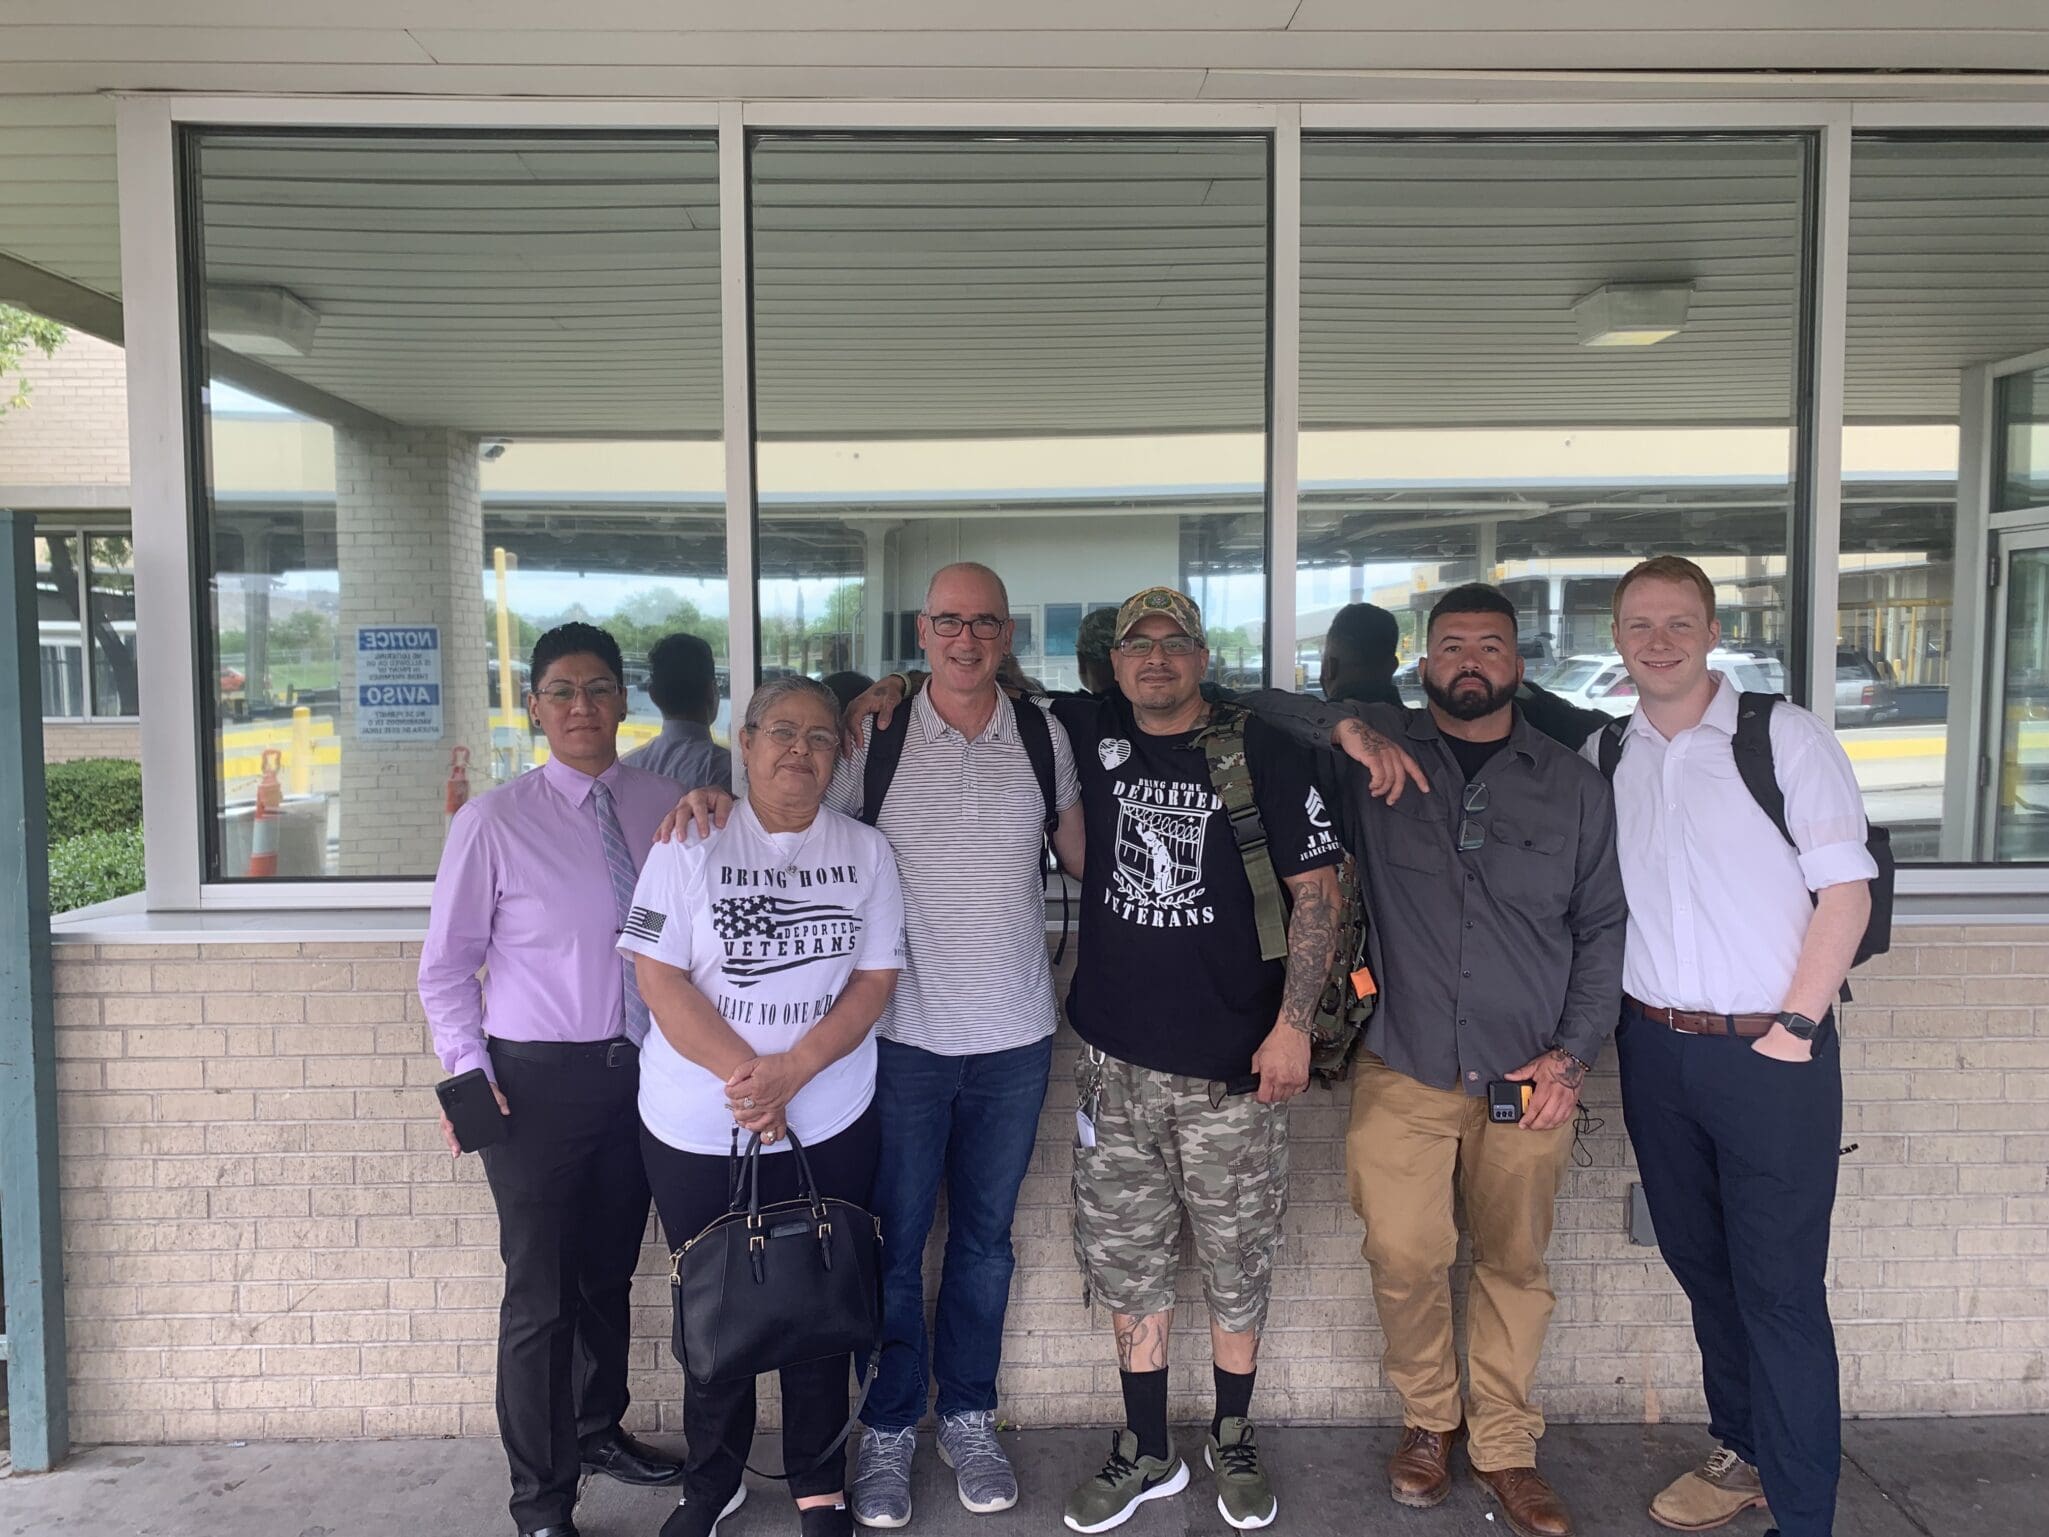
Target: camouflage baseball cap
<point>1093,639</point>
<point>1165,601</point>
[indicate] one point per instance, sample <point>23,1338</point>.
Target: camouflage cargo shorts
<point>1165,1145</point>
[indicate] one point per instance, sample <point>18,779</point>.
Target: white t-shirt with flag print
<point>770,927</point>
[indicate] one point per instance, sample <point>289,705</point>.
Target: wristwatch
<point>1799,1025</point>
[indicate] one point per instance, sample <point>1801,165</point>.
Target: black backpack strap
<point>1610,750</point>
<point>1036,734</point>
<point>1753,752</point>
<point>885,751</point>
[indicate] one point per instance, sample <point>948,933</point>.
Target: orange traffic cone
<point>263,831</point>
<point>458,780</point>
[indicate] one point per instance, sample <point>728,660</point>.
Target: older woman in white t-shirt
<point>766,951</point>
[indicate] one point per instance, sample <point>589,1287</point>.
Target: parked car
<point>1864,690</point>
<point>1599,681</point>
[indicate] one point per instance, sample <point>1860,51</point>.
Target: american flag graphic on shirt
<point>765,935</point>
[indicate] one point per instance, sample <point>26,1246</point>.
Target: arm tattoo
<point>1312,941</point>
<point>1571,1071</point>
<point>1142,1342</point>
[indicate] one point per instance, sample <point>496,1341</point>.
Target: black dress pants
<point>1739,1157</point>
<point>572,1210</point>
<point>718,1420</point>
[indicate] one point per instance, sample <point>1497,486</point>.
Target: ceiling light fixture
<point>260,320</point>
<point>1632,314</point>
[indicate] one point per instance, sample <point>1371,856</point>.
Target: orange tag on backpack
<point>1363,983</point>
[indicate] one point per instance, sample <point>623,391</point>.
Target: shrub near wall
<point>95,815</point>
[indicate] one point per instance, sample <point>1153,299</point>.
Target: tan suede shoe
<point>1712,1495</point>
<point>1419,1472</point>
<point>1532,1507</point>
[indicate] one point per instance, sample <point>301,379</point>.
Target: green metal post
<point>39,1419</point>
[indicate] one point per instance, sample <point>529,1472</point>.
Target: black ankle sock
<point>1234,1396</point>
<point>826,1520</point>
<point>1145,1410</point>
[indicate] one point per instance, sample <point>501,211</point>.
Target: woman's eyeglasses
<point>787,736</point>
<point>1471,835</point>
<point>982,626</point>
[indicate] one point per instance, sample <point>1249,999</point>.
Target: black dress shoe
<point>618,1455</point>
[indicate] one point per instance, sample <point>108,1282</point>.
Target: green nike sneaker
<point>1245,1497</point>
<point>1126,1482</point>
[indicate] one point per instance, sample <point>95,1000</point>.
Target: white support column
<point>1972,646</point>
<point>736,339</point>
<point>1285,393</point>
<point>1825,493</point>
<point>166,576</point>
<point>878,593</point>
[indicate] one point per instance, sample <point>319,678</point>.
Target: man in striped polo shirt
<point>966,1045</point>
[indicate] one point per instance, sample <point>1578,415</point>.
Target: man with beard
<point>1498,924</point>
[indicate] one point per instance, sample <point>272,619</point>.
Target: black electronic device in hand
<point>472,1109</point>
<point>1507,1101</point>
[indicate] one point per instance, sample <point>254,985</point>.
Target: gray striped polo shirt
<point>966,819</point>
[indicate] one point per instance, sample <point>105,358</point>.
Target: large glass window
<point>1535,361</point>
<point>460,388</point>
<point>1949,270</point>
<point>1044,353</point>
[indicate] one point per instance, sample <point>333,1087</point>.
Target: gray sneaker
<point>1125,1482</point>
<point>1245,1497</point>
<point>881,1490</point>
<point>968,1445</point>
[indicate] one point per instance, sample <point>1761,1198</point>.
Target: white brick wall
<point>64,741</point>
<point>74,431</point>
<point>265,1237</point>
<point>409,534</point>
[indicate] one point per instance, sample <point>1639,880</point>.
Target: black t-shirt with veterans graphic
<point>1169,974</point>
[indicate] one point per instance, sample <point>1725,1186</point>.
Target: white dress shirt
<point>1718,903</point>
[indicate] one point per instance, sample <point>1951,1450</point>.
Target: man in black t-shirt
<point>1194,1042</point>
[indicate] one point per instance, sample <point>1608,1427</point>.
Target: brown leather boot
<point>1419,1472</point>
<point>1532,1506</point>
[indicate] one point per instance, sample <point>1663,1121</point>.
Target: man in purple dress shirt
<point>535,883</point>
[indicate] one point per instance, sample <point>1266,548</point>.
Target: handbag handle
<point>744,1168</point>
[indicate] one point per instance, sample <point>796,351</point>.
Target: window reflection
<point>1044,353</point>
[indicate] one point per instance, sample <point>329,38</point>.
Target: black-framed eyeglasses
<point>981,626</point>
<point>1471,835</point>
<point>1172,645</point>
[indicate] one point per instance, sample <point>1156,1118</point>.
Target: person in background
<point>683,682</point>
<point>848,686</point>
<point>1092,651</point>
<point>1359,655</point>
<point>536,881</point>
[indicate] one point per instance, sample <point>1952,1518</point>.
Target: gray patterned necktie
<point>619,865</point>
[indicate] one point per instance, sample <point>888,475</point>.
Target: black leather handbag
<point>765,1287</point>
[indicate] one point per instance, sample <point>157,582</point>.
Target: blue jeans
<point>1738,1155</point>
<point>971,1120</point>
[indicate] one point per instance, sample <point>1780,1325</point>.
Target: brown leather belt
<point>1693,1022</point>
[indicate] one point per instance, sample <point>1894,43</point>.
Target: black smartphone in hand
<point>472,1109</point>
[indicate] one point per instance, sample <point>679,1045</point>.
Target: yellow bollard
<point>302,750</point>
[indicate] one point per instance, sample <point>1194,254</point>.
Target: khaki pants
<point>1406,1145</point>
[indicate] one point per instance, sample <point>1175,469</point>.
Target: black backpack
<point>1752,747</point>
<point>886,750</point>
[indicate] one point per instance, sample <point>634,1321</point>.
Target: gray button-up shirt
<point>686,753</point>
<point>1486,958</point>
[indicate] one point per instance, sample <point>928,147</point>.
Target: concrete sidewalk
<point>1901,1478</point>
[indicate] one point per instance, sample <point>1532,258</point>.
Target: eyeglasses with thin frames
<point>981,626</point>
<point>1471,835</point>
<point>562,695</point>
<point>1172,645</point>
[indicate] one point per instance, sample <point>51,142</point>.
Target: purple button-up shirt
<point>523,891</point>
